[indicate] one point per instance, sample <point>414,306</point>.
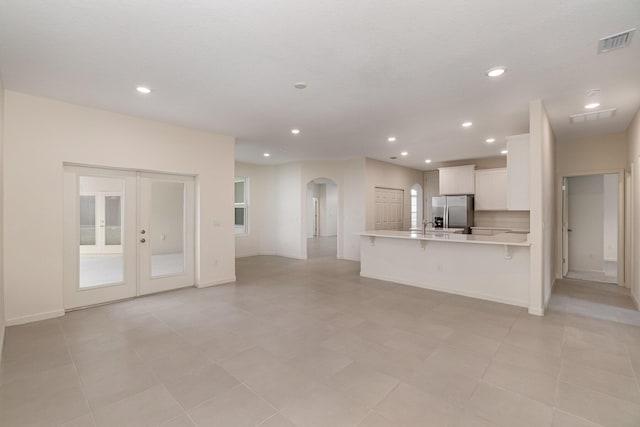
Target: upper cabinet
<point>518,173</point>
<point>457,180</point>
<point>491,190</point>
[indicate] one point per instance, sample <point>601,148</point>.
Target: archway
<point>322,218</point>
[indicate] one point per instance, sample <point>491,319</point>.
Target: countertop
<point>509,239</point>
<point>512,230</point>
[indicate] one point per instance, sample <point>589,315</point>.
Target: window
<point>241,206</point>
<point>414,208</point>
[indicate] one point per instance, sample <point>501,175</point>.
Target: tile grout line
<point>75,368</point>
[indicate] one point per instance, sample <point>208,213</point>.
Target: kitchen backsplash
<point>506,219</point>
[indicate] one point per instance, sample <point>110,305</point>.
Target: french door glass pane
<point>101,258</point>
<point>113,220</point>
<point>167,228</point>
<point>88,220</point>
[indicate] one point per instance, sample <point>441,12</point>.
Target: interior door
<point>99,257</point>
<point>165,232</point>
<point>565,227</point>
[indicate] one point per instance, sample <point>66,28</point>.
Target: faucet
<point>425,223</point>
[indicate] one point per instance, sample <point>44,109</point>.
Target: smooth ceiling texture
<point>411,69</point>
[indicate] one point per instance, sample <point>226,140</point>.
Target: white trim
<point>536,311</point>
<point>1,342</point>
<point>548,297</point>
<point>216,282</point>
<point>35,317</point>
<point>448,290</point>
<point>635,301</point>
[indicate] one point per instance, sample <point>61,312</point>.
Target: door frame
<point>621,279</point>
<point>71,240</point>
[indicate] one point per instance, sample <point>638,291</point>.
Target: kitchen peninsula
<point>494,268</point>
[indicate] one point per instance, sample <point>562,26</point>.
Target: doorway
<point>592,228</point>
<point>126,233</point>
<point>322,218</point>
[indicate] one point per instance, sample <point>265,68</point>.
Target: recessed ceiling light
<point>592,105</point>
<point>404,153</point>
<point>490,140</point>
<point>428,161</point>
<point>504,152</point>
<point>295,131</point>
<point>143,89</point>
<point>391,139</point>
<point>300,85</point>
<point>496,71</point>
<point>266,154</point>
<point>466,124</point>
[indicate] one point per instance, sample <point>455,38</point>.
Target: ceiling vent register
<point>615,41</point>
<point>592,115</point>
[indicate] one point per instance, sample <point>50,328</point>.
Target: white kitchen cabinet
<point>491,190</point>
<point>457,180</point>
<point>518,173</point>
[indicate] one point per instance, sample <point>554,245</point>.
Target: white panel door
<point>165,232</point>
<point>99,258</point>
<point>389,208</point>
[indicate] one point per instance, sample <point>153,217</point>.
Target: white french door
<point>165,232</point>
<point>126,233</point>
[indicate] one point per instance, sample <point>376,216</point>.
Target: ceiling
<point>412,69</point>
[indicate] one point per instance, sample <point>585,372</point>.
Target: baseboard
<point>536,311</point>
<point>635,300</point>
<point>35,317</point>
<point>257,253</point>
<point>548,297</point>
<point>217,282</point>
<point>448,290</point>
<point>282,254</point>
<point>1,342</point>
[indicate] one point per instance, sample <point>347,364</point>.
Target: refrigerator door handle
<point>446,216</point>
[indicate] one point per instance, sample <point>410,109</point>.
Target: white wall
<point>382,174</point>
<point>2,310</point>
<point>41,134</point>
<point>586,220</point>
<point>329,221</point>
<point>543,208</point>
<point>633,133</point>
<point>354,206</point>
<point>610,201</point>
<point>280,191</point>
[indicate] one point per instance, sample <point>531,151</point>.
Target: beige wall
<point>382,174</point>
<point>42,134</point>
<point>2,310</point>
<point>543,207</point>
<point>591,154</point>
<point>633,256</point>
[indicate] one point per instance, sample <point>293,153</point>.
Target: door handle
<point>142,231</point>
<point>143,240</point>
<point>568,229</point>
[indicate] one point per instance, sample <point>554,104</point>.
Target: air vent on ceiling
<point>615,41</point>
<point>592,115</point>
<point>393,158</point>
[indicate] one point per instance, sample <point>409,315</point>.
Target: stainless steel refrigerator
<point>453,212</point>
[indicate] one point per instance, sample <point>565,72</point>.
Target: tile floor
<point>310,343</point>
